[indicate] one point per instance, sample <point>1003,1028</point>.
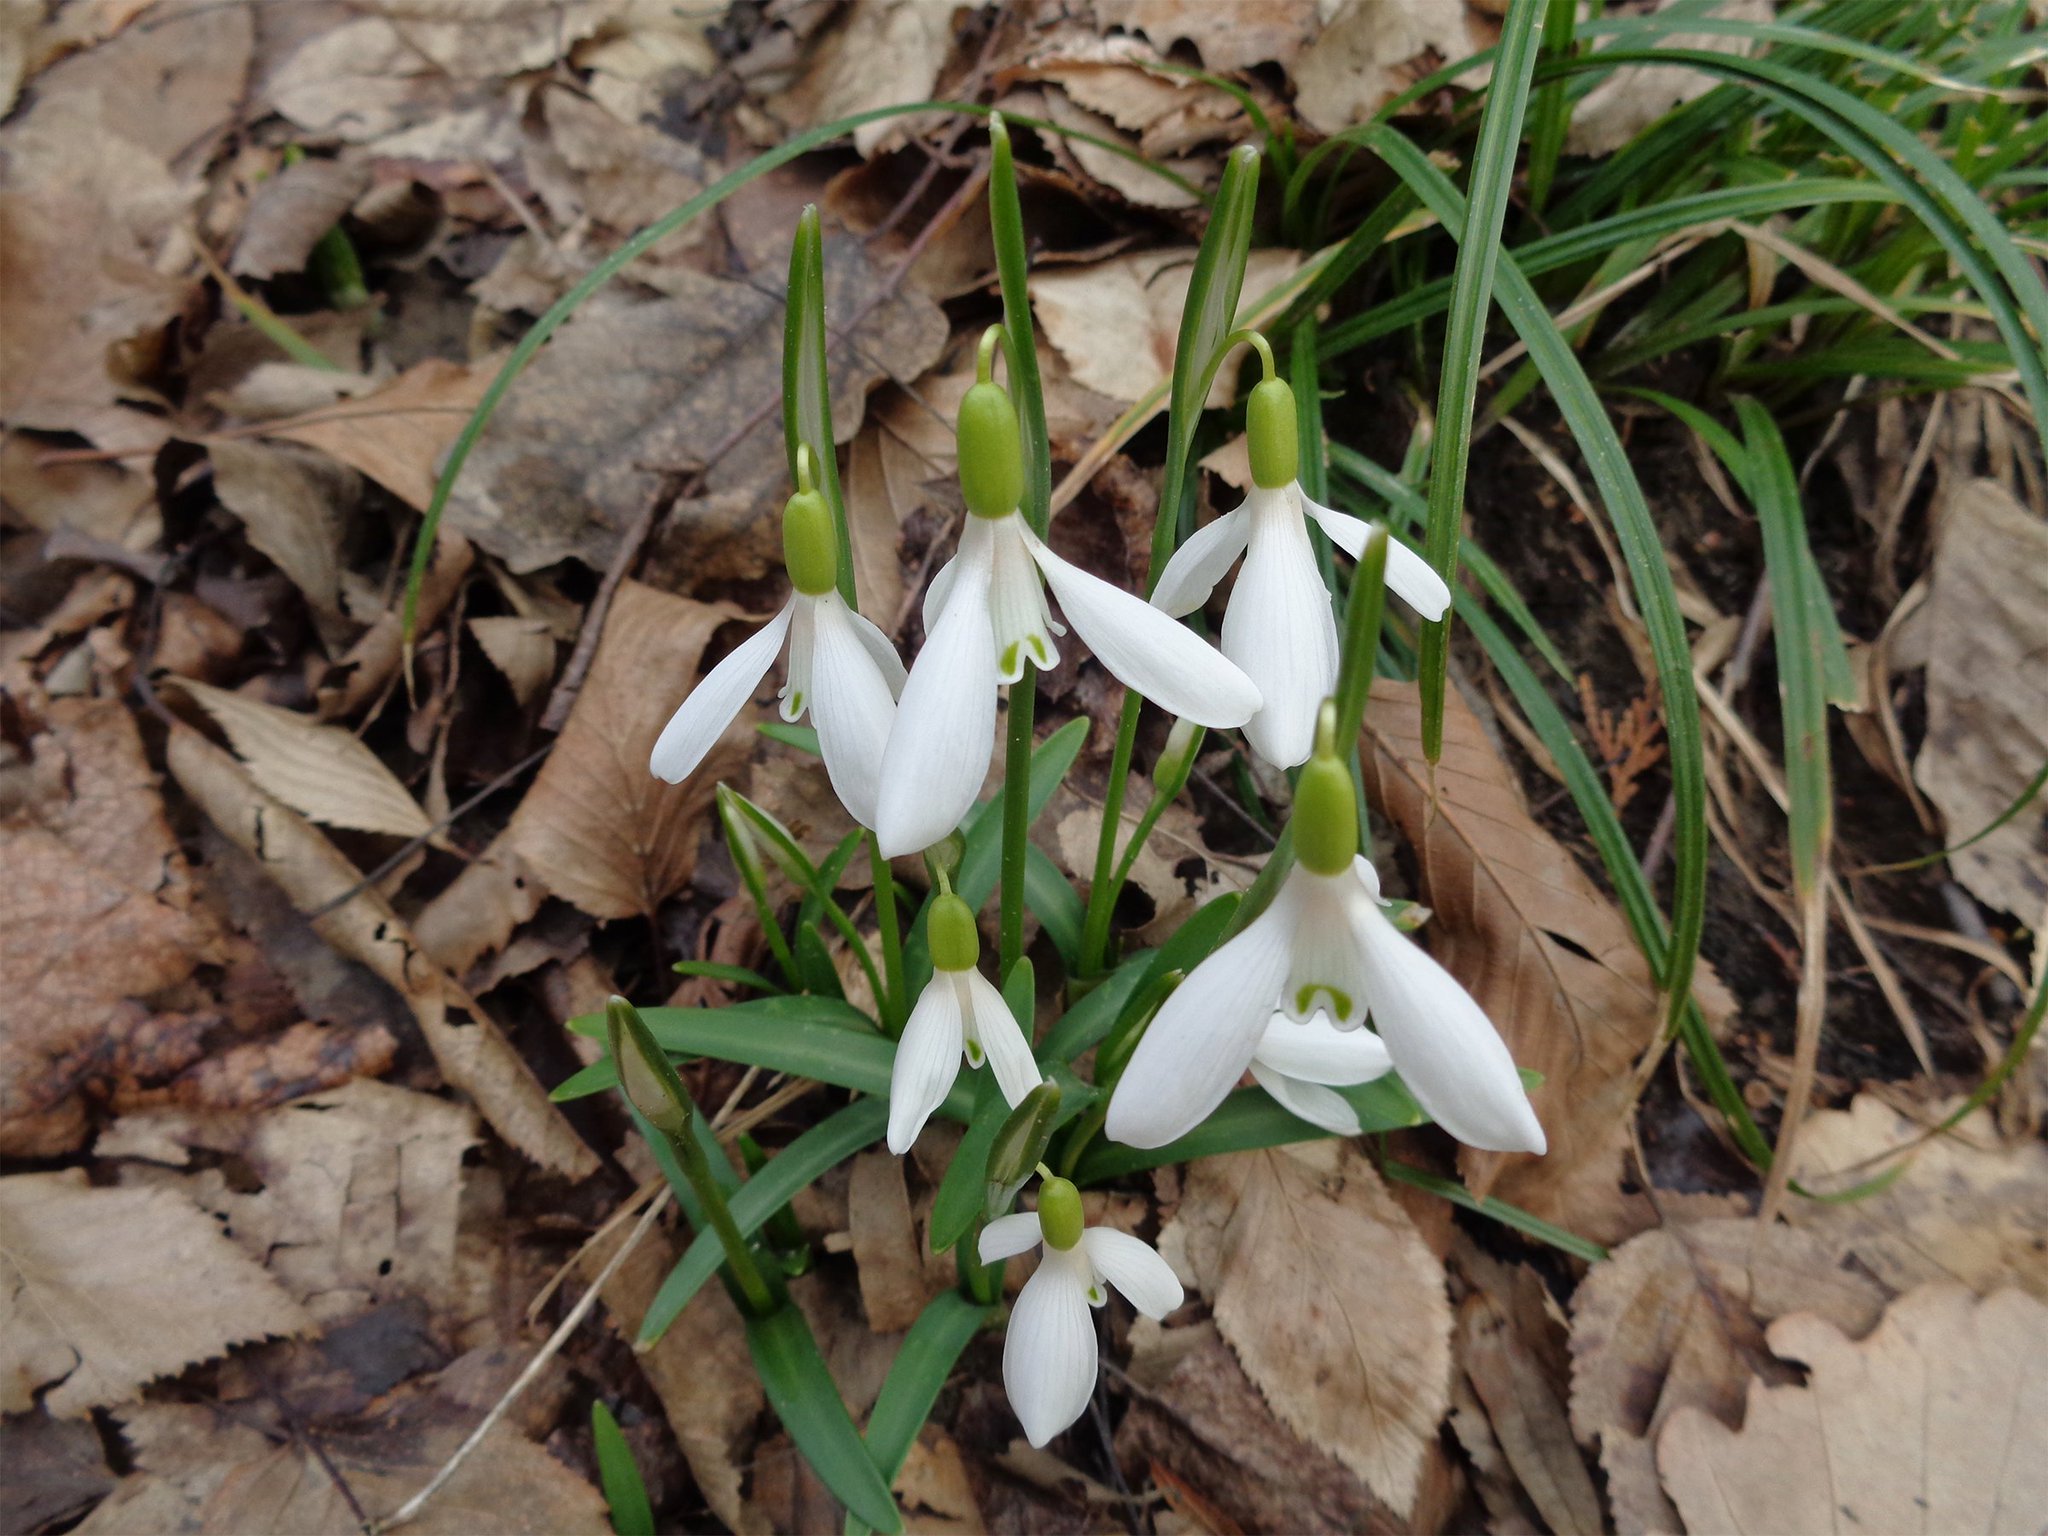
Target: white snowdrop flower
<point>986,616</point>
<point>841,668</point>
<point>958,1012</point>
<point>1279,626</point>
<point>1302,1064</point>
<point>1324,945</point>
<point>1049,1355</point>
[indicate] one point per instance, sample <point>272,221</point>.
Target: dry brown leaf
<point>1372,50</point>
<point>1987,693</point>
<point>56,1469</point>
<point>848,73</point>
<point>1330,1299</point>
<point>294,506</point>
<point>102,501</point>
<point>396,434</point>
<point>472,1053</point>
<point>1116,322</point>
<point>935,1488</point>
<point>1132,182</point>
<point>374,659</point>
<point>1234,36</point>
<point>355,1197</point>
<point>1674,1320</point>
<point>1964,1208</point>
<point>289,213</point>
<point>1541,949</point>
<point>522,649</point>
<point>1938,1422</point>
<point>320,771</point>
<point>102,1290</point>
<point>1625,102</point>
<point>589,167</point>
<point>479,909</point>
<point>597,828</point>
<point>885,1242</point>
<point>647,47</point>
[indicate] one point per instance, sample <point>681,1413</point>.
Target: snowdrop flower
<point>841,668</point>
<point>1302,1064</point>
<point>1324,945</point>
<point>1279,626</point>
<point>986,618</point>
<point>957,1012</point>
<point>1049,1356</point>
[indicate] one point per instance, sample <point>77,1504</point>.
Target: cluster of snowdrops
<point>1321,990</point>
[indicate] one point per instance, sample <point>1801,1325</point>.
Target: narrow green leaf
<point>805,1398</point>
<point>958,1200</point>
<point>1094,1015</point>
<point>738,975</point>
<point>807,382</point>
<point>1006,227</point>
<point>1245,1121</point>
<point>924,1360</point>
<point>1550,117</point>
<point>1053,902</point>
<point>803,737</point>
<point>619,1475</point>
<point>981,864</point>
<point>1507,1215</point>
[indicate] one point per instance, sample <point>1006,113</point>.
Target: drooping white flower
<point>986,617</point>
<point>1049,1356</point>
<point>1279,626</point>
<point>1302,1064</point>
<point>1324,945</point>
<point>841,668</point>
<point>957,1013</point>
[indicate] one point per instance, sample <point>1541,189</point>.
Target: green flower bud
<point>1020,1144</point>
<point>991,452</point>
<point>810,544</point>
<point>1059,1214</point>
<point>956,945</point>
<point>650,1083</point>
<point>1325,807</point>
<point>1274,431</point>
<point>1177,758</point>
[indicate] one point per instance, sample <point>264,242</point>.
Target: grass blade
<point>619,1475</point>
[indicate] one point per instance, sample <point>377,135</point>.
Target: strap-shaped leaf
<point>806,1399</point>
<point>619,1475</point>
<point>1247,1120</point>
<point>923,1362</point>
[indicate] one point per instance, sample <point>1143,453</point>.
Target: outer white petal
<point>882,649</point>
<point>1408,574</point>
<point>1447,1050</point>
<point>1203,1038</point>
<point>995,1027</point>
<point>941,589</point>
<point>1308,1101</point>
<point>1319,1052</point>
<point>1135,1268</point>
<point>1049,1357</point>
<point>1164,660</point>
<point>1280,629</point>
<point>927,1061</point>
<point>694,729</point>
<point>851,704</point>
<point>945,725</point>
<point>1191,575</point>
<point>1008,1236</point>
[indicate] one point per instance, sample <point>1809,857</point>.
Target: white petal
<point>927,1061</point>
<point>1135,1268</point>
<point>945,729</point>
<point>936,595</point>
<point>1008,1236</point>
<point>1409,577</point>
<point>1165,661</point>
<point>1279,628</point>
<point>1328,973</point>
<point>1319,1052</point>
<point>990,1022</point>
<point>1049,1357</point>
<point>694,729</point>
<point>1017,613</point>
<point>1191,575</point>
<point>1312,1102</point>
<point>1447,1050</point>
<point>882,649</point>
<point>1203,1039</point>
<point>796,672</point>
<point>852,706</point>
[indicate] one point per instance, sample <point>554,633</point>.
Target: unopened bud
<point>1177,757</point>
<point>650,1083</point>
<point>1020,1145</point>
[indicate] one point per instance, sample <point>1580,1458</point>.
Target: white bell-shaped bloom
<point>842,669</point>
<point>958,1013</point>
<point>986,617</point>
<point>1303,1064</point>
<point>1049,1357</point>
<point>1279,626</point>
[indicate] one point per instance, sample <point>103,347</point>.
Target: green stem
<point>1102,888</point>
<point>984,1282</point>
<point>1016,814</point>
<point>891,1003</point>
<point>755,1292</point>
<point>1362,615</point>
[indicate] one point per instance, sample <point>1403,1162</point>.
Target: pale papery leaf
<point>1372,50</point>
<point>886,1250</point>
<point>397,434</point>
<point>294,506</point>
<point>522,649</point>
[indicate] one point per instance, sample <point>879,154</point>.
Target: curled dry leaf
<point>1937,1422</point>
<point>1987,692</point>
<point>102,1290</point>
<point>1228,37</point>
<point>1674,1320</point>
<point>846,76</point>
<point>472,1053</point>
<point>1330,1298</point>
<point>1541,949</point>
<point>320,771</point>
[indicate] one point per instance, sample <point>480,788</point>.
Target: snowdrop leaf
<point>1249,1120</point>
<point>807,1401</point>
<point>923,1361</point>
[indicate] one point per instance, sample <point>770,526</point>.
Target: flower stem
<point>1016,814</point>
<point>1361,636</point>
<point>755,1292</point>
<point>1102,888</point>
<point>890,1004</point>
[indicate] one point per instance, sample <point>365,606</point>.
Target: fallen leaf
<point>847,75</point>
<point>886,1250</point>
<point>1936,1422</point>
<point>56,1468</point>
<point>397,434</point>
<point>1622,104</point>
<point>349,1198</point>
<point>1544,952</point>
<point>304,1058</point>
<point>1134,183</point>
<point>1116,322</point>
<point>591,168</point>
<point>597,828</point>
<point>102,501</point>
<point>290,213</point>
<point>1372,50</point>
<point>478,910</point>
<point>470,1050</point>
<point>1120,79</point>
<point>102,1290</point>
<point>374,659</point>
<point>1228,37</point>
<point>1987,698</point>
<point>647,47</point>
<point>320,771</point>
<point>1674,1320</point>
<point>1963,1208</point>
<point>936,1489</point>
<point>522,649</point>
<point>1330,1299</point>
<point>295,506</point>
